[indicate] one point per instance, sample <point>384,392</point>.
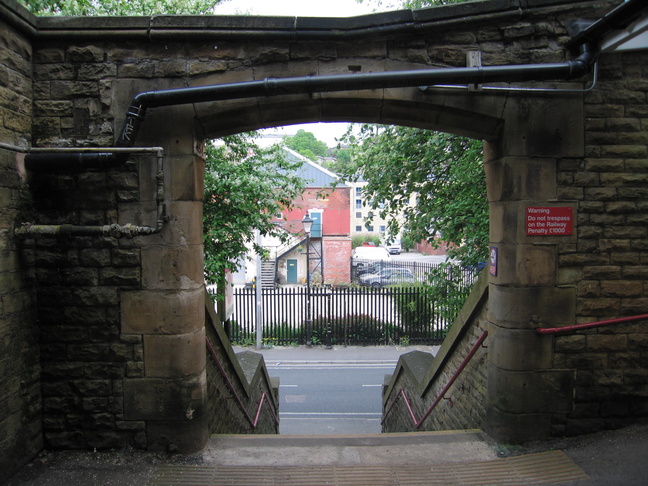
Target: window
<point>359,228</point>
<point>358,203</point>
<point>358,191</point>
<point>370,228</point>
<point>383,228</point>
<point>359,215</point>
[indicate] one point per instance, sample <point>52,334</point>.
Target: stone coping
<point>217,27</point>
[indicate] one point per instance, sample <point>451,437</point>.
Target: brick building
<point>329,251</point>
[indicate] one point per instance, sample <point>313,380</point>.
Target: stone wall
<point>608,265</point>
<point>20,398</point>
<point>112,313</point>
<point>423,377</point>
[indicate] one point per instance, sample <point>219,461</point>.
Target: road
<point>330,398</point>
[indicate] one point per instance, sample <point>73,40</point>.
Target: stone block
<point>526,265</point>
<point>174,356</point>
<point>530,307</point>
<point>150,312</point>
<point>178,437</point>
<point>545,127</point>
<point>621,288</point>
<point>172,267</point>
<point>607,342</point>
<point>521,350</point>
<point>531,392</point>
<point>570,344</point>
<point>599,306</point>
<point>512,178</point>
<point>124,276</point>
<point>163,399</point>
<point>515,428</point>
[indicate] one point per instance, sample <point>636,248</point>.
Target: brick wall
<point>249,378</point>
<point>609,263</point>
<point>424,377</point>
<point>337,258</point>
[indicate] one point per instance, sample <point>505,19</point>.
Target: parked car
<point>388,276</point>
<point>394,248</point>
<point>364,256</point>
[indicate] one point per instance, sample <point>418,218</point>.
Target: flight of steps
<point>268,273</point>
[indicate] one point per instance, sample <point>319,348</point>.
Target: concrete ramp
<point>443,458</point>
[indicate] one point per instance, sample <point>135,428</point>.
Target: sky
<point>326,132</point>
<point>295,8</point>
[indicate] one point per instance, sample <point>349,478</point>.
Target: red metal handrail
<point>454,377</point>
<point>253,422</point>
<point>590,325</point>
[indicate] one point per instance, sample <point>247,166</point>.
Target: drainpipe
<point>66,159</point>
<point>617,18</point>
<point>300,85</point>
<point>583,38</point>
<point>347,82</point>
<point>62,160</point>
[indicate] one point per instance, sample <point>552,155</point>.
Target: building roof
<point>314,174</point>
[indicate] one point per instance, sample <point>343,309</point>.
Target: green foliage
<point>352,329</point>
<point>417,309</point>
<point>360,238</point>
<point>343,155</point>
<point>407,243</point>
<point>307,145</point>
<point>444,172</point>
<point>119,7</point>
<point>245,186</point>
<point>449,287</point>
<point>385,5</point>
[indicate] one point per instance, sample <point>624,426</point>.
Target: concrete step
<point>414,459</point>
<point>328,450</point>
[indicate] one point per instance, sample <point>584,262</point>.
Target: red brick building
<point>330,243</point>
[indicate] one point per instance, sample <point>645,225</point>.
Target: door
<point>291,277</point>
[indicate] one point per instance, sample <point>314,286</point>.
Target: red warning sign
<point>557,221</point>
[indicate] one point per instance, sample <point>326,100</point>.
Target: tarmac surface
<point>618,457</point>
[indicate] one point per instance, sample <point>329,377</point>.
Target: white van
<point>371,253</point>
<point>363,257</point>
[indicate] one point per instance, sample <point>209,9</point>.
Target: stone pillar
<point>169,311</point>
<point>524,390</point>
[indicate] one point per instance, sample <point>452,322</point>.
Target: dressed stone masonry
<point>103,339</point>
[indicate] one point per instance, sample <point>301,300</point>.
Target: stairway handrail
<point>590,325</point>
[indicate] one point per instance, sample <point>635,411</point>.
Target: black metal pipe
<point>617,18</point>
<point>73,161</point>
<point>302,85</point>
<point>346,82</point>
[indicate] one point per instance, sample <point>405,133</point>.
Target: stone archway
<point>145,296</point>
<point>524,142</point>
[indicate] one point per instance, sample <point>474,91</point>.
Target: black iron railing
<point>340,316</point>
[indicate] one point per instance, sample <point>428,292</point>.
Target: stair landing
<point>425,458</point>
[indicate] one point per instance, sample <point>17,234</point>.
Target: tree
<point>443,172</point>
<point>306,144</point>
<point>245,187</point>
<point>120,7</point>
<point>445,175</point>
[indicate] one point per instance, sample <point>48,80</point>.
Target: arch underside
<point>463,114</point>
